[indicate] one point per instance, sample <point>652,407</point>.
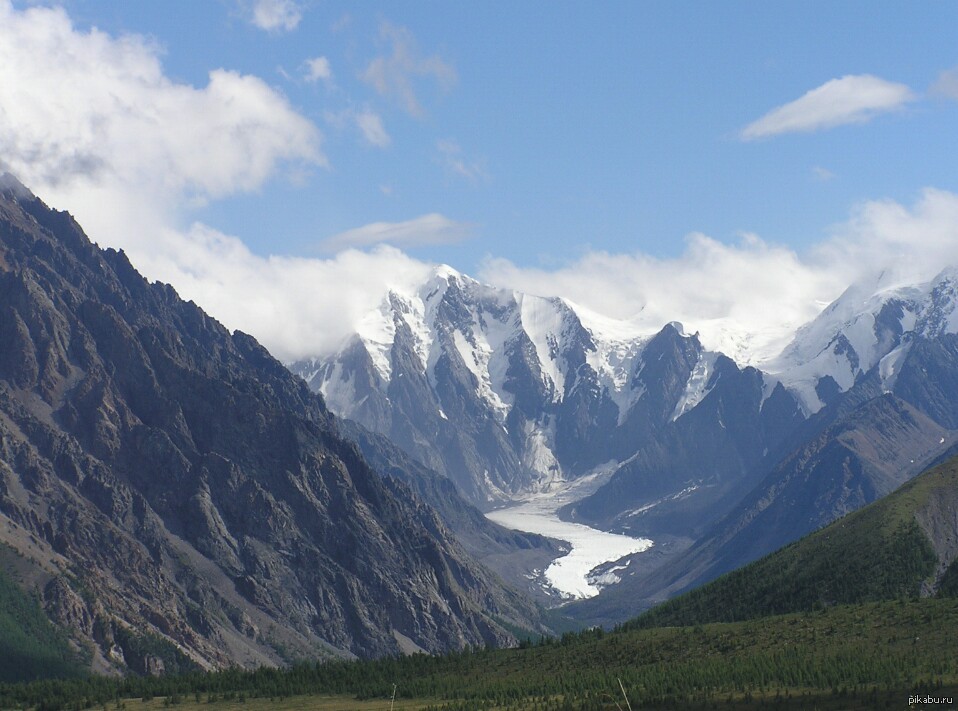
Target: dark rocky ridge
<point>170,478</point>
<point>511,554</point>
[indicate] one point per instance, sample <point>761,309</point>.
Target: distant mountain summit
<point>509,393</point>
<point>873,324</point>
<point>180,499</point>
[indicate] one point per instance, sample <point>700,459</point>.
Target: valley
<point>606,435</point>
<point>571,575</point>
<point>478,356</point>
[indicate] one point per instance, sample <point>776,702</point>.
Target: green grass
<point>30,647</point>
<point>876,553</point>
<point>867,654</point>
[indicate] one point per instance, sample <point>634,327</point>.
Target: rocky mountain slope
<point>905,545</point>
<point>179,498</point>
<point>508,393</point>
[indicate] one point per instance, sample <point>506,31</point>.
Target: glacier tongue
<point>572,573</point>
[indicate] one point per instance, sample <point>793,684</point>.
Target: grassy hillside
<point>877,553</point>
<point>30,647</point>
<point>833,621</point>
<point>853,656</point>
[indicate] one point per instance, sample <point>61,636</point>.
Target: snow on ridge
<point>619,344</point>
<point>479,350</point>
<point>841,342</point>
<point>697,386</point>
<point>846,339</point>
<point>543,320</point>
<point>615,362</point>
<point>377,330</point>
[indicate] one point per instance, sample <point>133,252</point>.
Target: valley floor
<point>872,656</point>
<point>780,700</point>
<point>570,575</point>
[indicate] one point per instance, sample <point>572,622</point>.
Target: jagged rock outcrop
<point>193,501</point>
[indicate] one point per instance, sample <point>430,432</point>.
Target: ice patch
<point>890,366</point>
<point>608,577</point>
<point>378,331</point>
<point>339,392</point>
<point>543,321</point>
<point>697,387</point>
<point>537,452</point>
<point>671,497</point>
<point>589,547</point>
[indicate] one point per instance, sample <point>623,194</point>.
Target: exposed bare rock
<point>202,506</point>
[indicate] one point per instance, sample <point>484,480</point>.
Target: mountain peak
<point>161,460</point>
<point>10,187</point>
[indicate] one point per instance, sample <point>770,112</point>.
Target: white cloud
<point>318,69</point>
<point>947,84</point>
<point>92,124</point>
<point>370,124</point>
<point>822,175</point>
<point>366,121</point>
<point>909,244</point>
<point>275,15</point>
<point>850,99</point>
<point>451,157</point>
<point>748,298</point>
<point>431,229</point>
<point>297,307</point>
<point>394,75</point>
<point>89,107</point>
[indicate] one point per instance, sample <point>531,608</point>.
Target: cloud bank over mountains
<point>92,123</point>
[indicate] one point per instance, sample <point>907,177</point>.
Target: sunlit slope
<point>903,545</point>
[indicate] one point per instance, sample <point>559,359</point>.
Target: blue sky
<point>521,139</point>
<point>613,125</point>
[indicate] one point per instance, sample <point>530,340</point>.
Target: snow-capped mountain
<point>871,324</point>
<point>506,392</point>
<point>878,338</point>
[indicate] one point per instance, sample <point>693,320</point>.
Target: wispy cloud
<point>850,99</point>
<point>318,69</point>
<point>947,84</point>
<point>822,175</point>
<point>394,75</point>
<point>366,121</point>
<point>274,15</point>
<point>370,124</point>
<point>454,161</point>
<point>431,229</point>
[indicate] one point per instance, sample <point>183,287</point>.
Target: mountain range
<point>178,499</point>
<point>512,395</point>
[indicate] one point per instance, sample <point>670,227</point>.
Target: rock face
<point>718,463</point>
<point>193,501</point>
<point>506,393</point>
<point>877,378</point>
